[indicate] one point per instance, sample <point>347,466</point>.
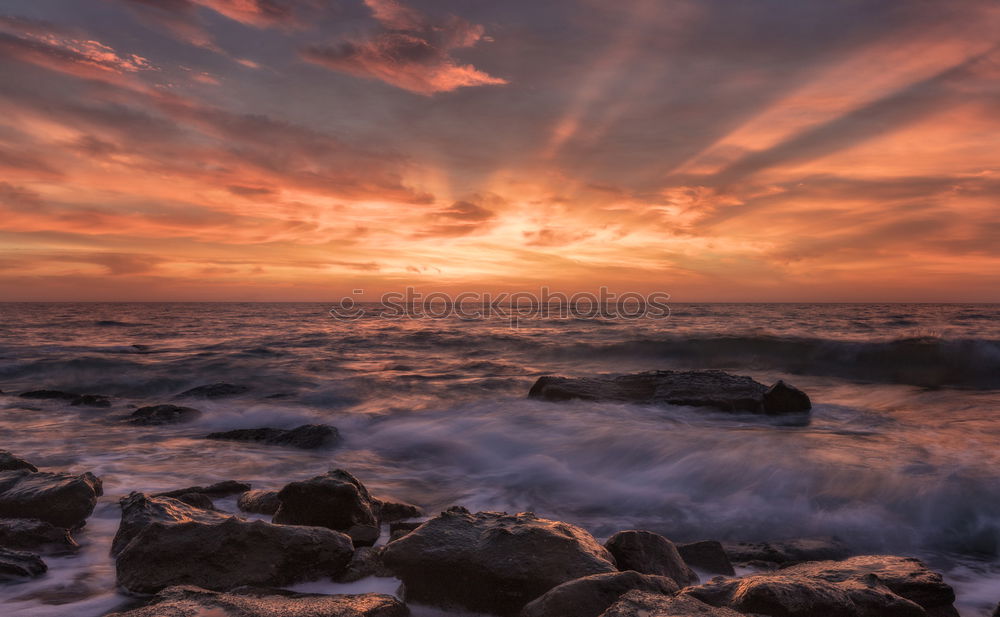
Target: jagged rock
<point>35,535</point>
<point>336,500</point>
<point>155,415</point>
<point>259,502</point>
<point>190,601</point>
<point>391,511</point>
<point>707,555</point>
<point>197,500</point>
<point>61,499</point>
<point>367,561</point>
<point>9,462</point>
<point>16,565</point>
<point>140,511</point>
<point>219,489</point>
<point>591,595</point>
<point>223,552</point>
<point>649,553</point>
<point>696,388</point>
<point>645,604</point>
<point>215,390</point>
<point>868,586</point>
<point>92,400</point>
<point>307,437</point>
<point>54,395</point>
<point>773,554</point>
<point>491,562</point>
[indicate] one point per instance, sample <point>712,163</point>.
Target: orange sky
<point>717,150</point>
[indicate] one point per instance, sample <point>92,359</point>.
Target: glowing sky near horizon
<point>718,150</point>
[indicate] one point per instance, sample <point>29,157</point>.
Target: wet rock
<point>774,554</point>
<point>869,586</point>
<point>367,561</point>
<point>229,553</point>
<point>9,462</point>
<point>16,565</point>
<point>491,562</point>
<point>140,511</point>
<point>707,555</point>
<point>307,437</point>
<point>219,489</point>
<point>61,499</point>
<point>391,511</point>
<point>591,595</point>
<point>214,390</point>
<point>259,502</point>
<point>92,400</point>
<point>155,415</point>
<point>190,601</point>
<point>51,395</point>
<point>35,535</point>
<point>197,500</point>
<point>336,500</point>
<point>645,604</point>
<point>696,388</point>
<point>649,553</point>
<point>399,529</point>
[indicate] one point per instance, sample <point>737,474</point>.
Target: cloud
<point>459,219</point>
<point>408,51</point>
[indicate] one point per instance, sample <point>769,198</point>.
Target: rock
<point>707,555</point>
<point>650,553</point>
<point>645,604</point>
<point>163,414</point>
<point>996,611</point>
<point>491,562</point>
<point>259,502</point>
<point>391,511</point>
<point>336,500</point>
<point>189,601</point>
<point>786,552</point>
<point>219,489</point>
<point>92,400</point>
<point>35,535</point>
<point>9,462</point>
<point>54,395</point>
<point>307,437</point>
<point>140,511</point>
<point>197,500</point>
<point>367,561</point>
<point>228,552</point>
<point>61,499</point>
<point>696,388</point>
<point>215,390</point>
<point>591,595</point>
<point>16,565</point>
<point>869,586</point>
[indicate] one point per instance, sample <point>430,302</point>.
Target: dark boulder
<point>707,555</point>
<point>140,511</point>
<point>156,415</point>
<point>229,553</point>
<point>259,502</point>
<point>391,511</point>
<point>649,553</point>
<point>716,389</point>
<point>336,500</point>
<point>9,462</point>
<point>592,595</point>
<point>399,529</point>
<point>219,489</point>
<point>491,562</point>
<point>61,499</point>
<point>189,601</point>
<point>645,604</point>
<point>91,400</point>
<point>15,565</point>
<point>50,395</point>
<point>307,437</point>
<point>214,390</point>
<point>787,552</point>
<point>197,500</point>
<point>367,561</point>
<point>35,535</point>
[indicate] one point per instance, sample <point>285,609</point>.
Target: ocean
<point>899,456</point>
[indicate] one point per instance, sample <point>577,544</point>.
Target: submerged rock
<point>52,395</point>
<point>259,502</point>
<point>868,586</point>
<point>190,601</point>
<point>649,553</point>
<point>645,604</point>
<point>61,499</point>
<point>16,565</point>
<point>591,595</point>
<point>787,552</point>
<point>155,415</point>
<point>712,388</point>
<point>140,511</point>
<point>214,390</point>
<point>9,462</point>
<point>707,555</point>
<point>307,437</point>
<point>491,562</point>
<point>35,535</point>
<point>91,400</point>
<point>219,489</point>
<point>336,500</point>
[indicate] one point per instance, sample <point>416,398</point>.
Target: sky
<point>298,150</point>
